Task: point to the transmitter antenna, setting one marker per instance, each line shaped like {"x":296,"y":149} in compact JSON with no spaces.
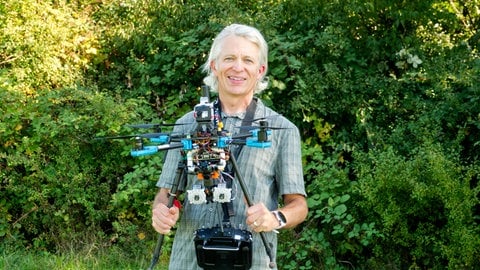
{"x":205,"y":98}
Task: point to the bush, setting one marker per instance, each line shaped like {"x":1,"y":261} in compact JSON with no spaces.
{"x":425,"y":207}
{"x":54,"y":170}
{"x":335,"y":235}
{"x":385,"y":95}
{"x":44,"y":45}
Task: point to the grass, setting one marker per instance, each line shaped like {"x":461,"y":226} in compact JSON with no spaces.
{"x":91,"y":259}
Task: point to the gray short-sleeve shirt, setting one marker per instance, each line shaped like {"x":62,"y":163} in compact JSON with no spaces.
{"x":268,"y":173}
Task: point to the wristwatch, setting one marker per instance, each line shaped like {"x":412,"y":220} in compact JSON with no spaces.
{"x":282,"y":221}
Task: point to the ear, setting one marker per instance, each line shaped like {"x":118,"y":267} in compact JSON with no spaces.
{"x":213,"y":67}
{"x":261,"y":71}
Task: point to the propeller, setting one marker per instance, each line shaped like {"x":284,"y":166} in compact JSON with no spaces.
{"x":155,"y":125}
{"x":264,"y":118}
{"x":248,"y":128}
{"x":145,"y":135}
{"x":263,"y":125}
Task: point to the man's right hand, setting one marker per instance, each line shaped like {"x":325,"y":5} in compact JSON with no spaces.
{"x":164,"y":218}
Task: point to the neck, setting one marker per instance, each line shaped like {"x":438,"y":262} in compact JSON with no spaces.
{"x":235,"y":105}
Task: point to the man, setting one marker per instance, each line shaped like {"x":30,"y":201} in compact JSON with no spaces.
{"x":236,"y":69}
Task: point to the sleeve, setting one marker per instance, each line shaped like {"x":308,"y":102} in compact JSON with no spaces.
{"x":169,"y":169}
{"x":289,"y":169}
{"x":173,"y":157}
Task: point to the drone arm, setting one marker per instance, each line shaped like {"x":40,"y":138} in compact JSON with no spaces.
{"x":150,"y":150}
{"x":268,"y":246}
{"x":169,"y":146}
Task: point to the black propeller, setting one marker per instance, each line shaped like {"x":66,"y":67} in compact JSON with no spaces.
{"x":145,"y":135}
{"x":264,"y":118}
{"x":262,"y":125}
{"x":155,"y":125}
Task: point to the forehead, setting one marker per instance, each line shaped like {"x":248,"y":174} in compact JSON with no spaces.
{"x":238,"y":45}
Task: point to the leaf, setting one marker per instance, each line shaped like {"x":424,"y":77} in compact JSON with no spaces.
{"x":340,"y":209}
{"x":331,"y":202}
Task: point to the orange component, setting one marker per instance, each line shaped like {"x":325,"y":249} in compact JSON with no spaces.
{"x":215,"y":174}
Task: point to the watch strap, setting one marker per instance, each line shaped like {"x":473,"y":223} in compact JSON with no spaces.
{"x":282,"y":221}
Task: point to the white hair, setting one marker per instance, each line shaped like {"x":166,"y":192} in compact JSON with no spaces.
{"x":240,"y":30}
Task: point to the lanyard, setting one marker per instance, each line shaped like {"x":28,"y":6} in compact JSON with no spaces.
{"x":228,"y":210}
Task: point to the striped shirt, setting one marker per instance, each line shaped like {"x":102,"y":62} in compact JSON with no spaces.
{"x":268,"y":173}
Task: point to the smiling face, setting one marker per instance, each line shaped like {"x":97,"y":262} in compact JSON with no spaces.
{"x":237,"y":67}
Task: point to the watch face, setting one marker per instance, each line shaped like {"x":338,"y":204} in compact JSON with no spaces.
{"x":282,"y":217}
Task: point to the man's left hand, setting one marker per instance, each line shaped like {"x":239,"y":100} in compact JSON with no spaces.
{"x":260,"y":219}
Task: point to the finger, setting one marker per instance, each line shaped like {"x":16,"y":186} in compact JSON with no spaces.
{"x":161,"y":227}
{"x":257,"y":225}
{"x":250,"y":220}
{"x":162,"y":220}
{"x":162,"y":224}
{"x":253,"y":214}
{"x":175,"y":212}
{"x":163,"y":210}
{"x":254,"y":209}
{"x":258,"y":228}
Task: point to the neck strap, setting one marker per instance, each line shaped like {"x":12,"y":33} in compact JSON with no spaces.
{"x":227,"y":207}
{"x":247,"y":120}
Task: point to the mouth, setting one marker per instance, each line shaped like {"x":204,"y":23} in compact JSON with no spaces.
{"x":234,"y":78}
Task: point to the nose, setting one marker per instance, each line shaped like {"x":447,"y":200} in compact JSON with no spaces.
{"x":237,"y":65}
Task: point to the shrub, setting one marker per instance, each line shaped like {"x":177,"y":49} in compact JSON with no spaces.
{"x":58,"y":179}
{"x":44,"y":45}
{"x":335,"y":235}
{"x":424,"y":206}
{"x":385,"y":95}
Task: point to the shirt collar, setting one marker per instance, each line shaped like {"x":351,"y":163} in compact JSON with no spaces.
{"x":239,"y":115}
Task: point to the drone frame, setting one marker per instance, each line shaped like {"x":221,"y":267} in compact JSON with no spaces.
{"x":257,"y":137}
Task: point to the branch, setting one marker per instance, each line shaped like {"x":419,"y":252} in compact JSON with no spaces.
{"x":35,"y":208}
{"x":8,"y":59}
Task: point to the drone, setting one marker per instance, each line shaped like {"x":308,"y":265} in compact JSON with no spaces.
{"x":205,"y":151}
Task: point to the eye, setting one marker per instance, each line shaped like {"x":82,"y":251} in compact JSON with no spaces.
{"x":249,"y":60}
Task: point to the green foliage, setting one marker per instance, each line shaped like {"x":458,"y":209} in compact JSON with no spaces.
{"x":385,"y":94}
{"x":53,"y":168}
{"x":335,"y":235}
{"x":131,"y":206}
{"x":90,"y":256}
{"x":424,"y":205}
{"x":159,"y":49}
{"x":44,"y":45}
